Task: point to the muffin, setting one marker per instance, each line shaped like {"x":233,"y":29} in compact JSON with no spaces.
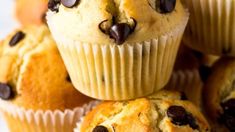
{"x":114,"y":52}
{"x":31,"y":11}
{"x":35,"y":88}
{"x":150,"y":114}
{"x":219,"y":96}
{"x":211,"y":27}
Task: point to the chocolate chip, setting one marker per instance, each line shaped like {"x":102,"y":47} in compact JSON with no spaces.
{"x":228,"y":121}
{"x":6,"y":92}
{"x":204,"y":72}
{"x":53,"y":5}
{"x":167,"y":6}
{"x":100,"y":129}
{"x":183,"y":96}
{"x":69,"y":3}
{"x":178,"y":115}
{"x":101,"y":27}
{"x":192,"y":121}
{"x":229,"y":107}
{"x":16,"y":38}
{"x":120,"y":32}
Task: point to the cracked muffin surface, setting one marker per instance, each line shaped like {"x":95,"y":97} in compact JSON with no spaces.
{"x":81,"y":21}
{"x":33,"y":75}
{"x":163,"y":111}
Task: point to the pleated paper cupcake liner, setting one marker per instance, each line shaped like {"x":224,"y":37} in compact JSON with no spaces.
{"x":211,"y":27}
{"x":22,"y":120}
{"x":188,"y":82}
{"x":120,"y":72}
{"x":78,"y":125}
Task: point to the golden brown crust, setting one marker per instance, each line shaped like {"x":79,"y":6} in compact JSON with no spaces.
{"x":109,"y":109}
{"x":31,"y":11}
{"x":85,"y":17}
{"x":37,"y":73}
{"x":141,"y":115}
{"x":219,"y":88}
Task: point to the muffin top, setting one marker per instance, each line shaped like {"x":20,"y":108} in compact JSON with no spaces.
{"x":164,"y":111}
{"x":115,"y":21}
{"x":31,"y":11}
{"x":219,"y":94}
{"x":33,"y":75}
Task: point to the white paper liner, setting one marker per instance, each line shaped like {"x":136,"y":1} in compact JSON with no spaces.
{"x":189,"y":82}
{"x":120,"y":72}
{"x":20,"y":119}
{"x":211,"y":27}
{"x":78,"y":125}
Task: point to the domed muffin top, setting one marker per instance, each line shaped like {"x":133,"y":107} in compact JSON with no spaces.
{"x":33,"y":75}
{"x":114,"y":21}
{"x":164,"y":111}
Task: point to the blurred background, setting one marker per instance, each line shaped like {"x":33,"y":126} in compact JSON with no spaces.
{"x":7,"y":20}
{"x":7,"y":24}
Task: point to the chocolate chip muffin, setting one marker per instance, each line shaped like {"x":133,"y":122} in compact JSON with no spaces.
{"x":112,"y":50}
{"x":31,"y":11}
{"x":211,"y":27}
{"x":150,"y":114}
{"x":34,"y":84}
{"x":219,"y":95}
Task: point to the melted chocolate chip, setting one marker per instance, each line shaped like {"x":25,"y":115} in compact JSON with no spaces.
{"x":229,"y":107}
{"x":204,"y":72}
{"x":69,"y":3}
{"x":6,"y":92}
{"x":183,"y":96}
{"x":53,"y":5}
{"x":101,"y":28}
{"x":16,"y":38}
{"x":100,"y":129}
{"x":228,"y":121}
{"x":180,"y":117}
{"x":120,"y":32}
{"x":192,"y":121}
{"x":167,"y":6}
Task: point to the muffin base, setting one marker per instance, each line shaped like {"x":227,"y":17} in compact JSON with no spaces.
{"x":22,"y":120}
{"x":211,"y":27}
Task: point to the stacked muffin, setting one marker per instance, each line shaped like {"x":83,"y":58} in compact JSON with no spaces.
{"x":124,"y":52}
